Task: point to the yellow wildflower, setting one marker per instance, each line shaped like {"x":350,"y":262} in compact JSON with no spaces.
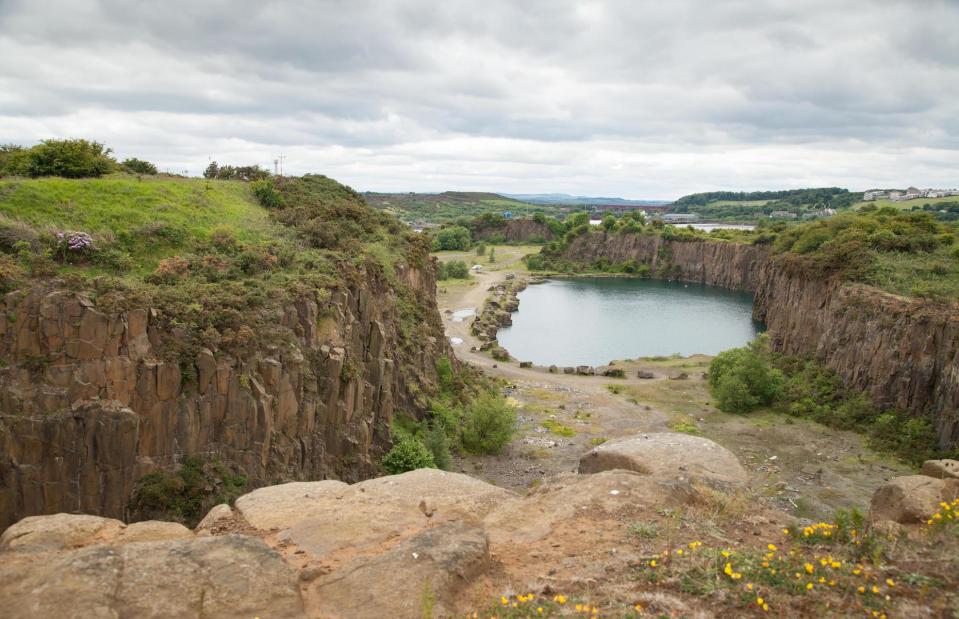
{"x":771,"y":547}
{"x":890,"y":582}
{"x":809,"y":586}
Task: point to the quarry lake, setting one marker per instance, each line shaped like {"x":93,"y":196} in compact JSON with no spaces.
{"x":591,"y":321}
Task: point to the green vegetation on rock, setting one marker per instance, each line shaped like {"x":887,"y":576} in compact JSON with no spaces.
{"x":752,"y":377}
{"x":187,"y":494}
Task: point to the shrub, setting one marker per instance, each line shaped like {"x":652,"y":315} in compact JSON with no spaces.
{"x":488,"y":426}
{"x":743,"y":379}
{"x":408,"y":454}
{"x":453,"y":238}
{"x":266,"y":194}
{"x":438,"y":442}
{"x":457,"y":269}
{"x":138,"y":166}
{"x":481,"y":250}
{"x":74,"y":246}
{"x":187,"y":494}
{"x":13,"y":232}
{"x":67,"y":158}
{"x":10,"y":274}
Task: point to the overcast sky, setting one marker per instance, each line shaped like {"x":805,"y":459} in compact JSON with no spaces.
{"x":641,"y":99}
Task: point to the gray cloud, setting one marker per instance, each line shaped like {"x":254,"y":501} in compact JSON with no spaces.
{"x":640,"y":98}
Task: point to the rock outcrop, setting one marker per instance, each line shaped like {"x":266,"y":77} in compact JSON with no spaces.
{"x":902,"y":352}
{"x":911,"y":498}
{"x":513,"y":231}
{"x":668,"y":455}
{"x":728,"y":265}
{"x":225,"y":576}
{"x":91,"y":400}
{"x":424,"y":543}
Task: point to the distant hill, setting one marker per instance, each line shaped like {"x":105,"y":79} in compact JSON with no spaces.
{"x":563,"y":198}
{"x":750,"y":205}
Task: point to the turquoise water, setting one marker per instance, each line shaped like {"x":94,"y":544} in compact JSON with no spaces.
{"x":592,"y":321}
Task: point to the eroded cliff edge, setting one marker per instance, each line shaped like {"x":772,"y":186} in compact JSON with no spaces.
{"x":903,"y":352}
{"x":90,"y":400}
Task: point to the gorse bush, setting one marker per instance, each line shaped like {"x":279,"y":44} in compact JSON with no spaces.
{"x":265,"y":193}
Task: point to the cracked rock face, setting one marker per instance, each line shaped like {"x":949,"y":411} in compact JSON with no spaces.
{"x":89,"y":404}
{"x":227,"y":576}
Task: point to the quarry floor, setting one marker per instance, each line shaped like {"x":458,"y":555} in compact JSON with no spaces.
{"x":798,"y":466}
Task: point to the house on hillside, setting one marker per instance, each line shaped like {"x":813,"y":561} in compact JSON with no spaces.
{"x":873,"y":195}
{"x":782,"y":215}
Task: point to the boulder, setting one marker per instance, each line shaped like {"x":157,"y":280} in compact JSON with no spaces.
{"x":439,"y":562}
{"x":645,"y":374}
{"x":499,"y":353}
{"x":284,"y":505}
{"x":226,"y":576}
{"x":153,"y":531}
{"x":214,"y":519}
{"x":569,"y":370}
{"x":311,"y":514}
{"x":525,"y":364}
{"x":553,"y":369}
{"x":680,"y":376}
{"x":59,"y":531}
{"x":911,"y":498}
{"x":585,"y":370}
{"x":941,"y":469}
{"x":668,"y":455}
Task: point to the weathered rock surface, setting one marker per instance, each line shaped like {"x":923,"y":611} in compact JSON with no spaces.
{"x":66,"y":531}
{"x":911,"y":498}
{"x":226,"y":576}
{"x":88,"y":404}
{"x":668,"y":455}
{"x":59,"y":531}
{"x":941,"y":469}
{"x":526,"y":519}
{"x":325,"y":517}
{"x":214,"y":519}
{"x":440,"y":561}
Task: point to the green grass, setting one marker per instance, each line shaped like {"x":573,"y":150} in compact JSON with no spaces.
{"x":118,"y":205}
{"x":907,"y":204}
{"x":932,"y":275}
{"x":558,"y":428}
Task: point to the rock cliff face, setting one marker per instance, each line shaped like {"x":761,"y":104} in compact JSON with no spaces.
{"x":89,"y":402}
{"x":903,"y":353}
{"x":514,"y":231}
{"x":728,"y":265}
